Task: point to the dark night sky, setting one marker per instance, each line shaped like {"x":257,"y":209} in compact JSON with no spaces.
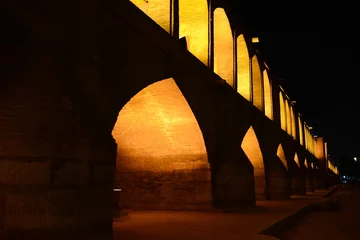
{"x":312,"y":47}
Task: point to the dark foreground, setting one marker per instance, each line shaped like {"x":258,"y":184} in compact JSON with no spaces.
{"x":343,"y":223}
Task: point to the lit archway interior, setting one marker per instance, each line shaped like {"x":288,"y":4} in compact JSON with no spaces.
{"x":267,"y":95}
{"x":193,"y":25}
{"x":161,"y":159}
{"x":157,"y":10}
{"x":288,"y":117}
{"x":280,"y":153}
{"x":223,"y":47}
{"x":301,"y":132}
{"x":293,"y":122}
{"x":243,"y":68}
{"x":296,"y":159}
{"x":282,"y":112}
{"x":306,"y":163}
{"x":257,"y":84}
{"x":251,"y":147}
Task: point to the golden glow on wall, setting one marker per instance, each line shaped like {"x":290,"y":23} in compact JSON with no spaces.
{"x":312,"y":165}
{"x":301,"y":134}
{"x":250,"y":146}
{"x":193,"y":25}
{"x":333,"y":168}
{"x":223,"y":47}
{"x":282,"y":112}
{"x":296,"y":159}
{"x":306,"y":163}
{"x":293,"y":122}
{"x":157,"y":10}
{"x":280,"y":153}
{"x":326,"y":150}
{"x":257,"y":84}
{"x":157,"y":131}
{"x":268,"y":96}
{"x":243,"y":68}
{"x":288,"y":117}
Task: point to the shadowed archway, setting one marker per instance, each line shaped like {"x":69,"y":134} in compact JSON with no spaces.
{"x":297,"y":177}
{"x":309,"y":178}
{"x":162,"y":161}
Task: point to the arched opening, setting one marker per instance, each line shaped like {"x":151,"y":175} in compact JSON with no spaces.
{"x":288,"y":117}
{"x":243,"y":68}
{"x":297,"y":178}
{"x":293,"y":122}
{"x":250,"y":145}
{"x":268,"y":95}
{"x":223,"y":47}
{"x":161,"y":157}
{"x":309,"y":182}
{"x":257,"y":84}
{"x":282,"y":112}
{"x":157,"y":10}
{"x":278,"y":181}
{"x":301,"y":132}
{"x":194,"y":26}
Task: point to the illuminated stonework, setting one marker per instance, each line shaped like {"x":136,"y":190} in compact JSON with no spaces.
{"x":268,"y":95}
{"x":280,"y":153}
{"x":306,"y":163}
{"x":293,"y":122}
{"x":282,"y":112}
{"x":250,"y":146}
{"x":288,"y":117}
{"x":296,"y":159}
{"x":223,"y":47}
{"x":257,"y":86}
{"x":301,"y":131}
{"x":243,"y":68}
{"x":193,"y":25}
{"x":160,"y":150}
{"x":157,"y":10}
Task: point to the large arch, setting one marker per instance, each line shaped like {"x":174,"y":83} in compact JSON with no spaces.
{"x":243,"y":68}
{"x":250,"y":145}
{"x":161,"y":159}
{"x":309,"y":178}
{"x":257,"y":86}
{"x":157,"y":10}
{"x":223,"y":47}
{"x":297,"y":178}
{"x":194,"y":26}
{"x":281,"y":155}
{"x":282,"y":112}
{"x":268,"y":101}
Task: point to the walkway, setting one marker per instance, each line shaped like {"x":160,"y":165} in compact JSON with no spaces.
{"x":166,"y":225}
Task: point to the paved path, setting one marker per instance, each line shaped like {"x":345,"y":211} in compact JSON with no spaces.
{"x":166,"y":225}
{"x":343,"y":224}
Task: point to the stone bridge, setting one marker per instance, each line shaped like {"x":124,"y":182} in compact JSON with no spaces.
{"x":167,"y":103}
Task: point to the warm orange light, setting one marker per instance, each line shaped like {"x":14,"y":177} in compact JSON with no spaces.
{"x":293,"y":122}
{"x":157,"y":10}
{"x":288,"y":117}
{"x":251,"y":147}
{"x":159,"y":140}
{"x":282,"y":112}
{"x":280,"y":153}
{"x":296,"y":159}
{"x":257,"y":84}
{"x":243,"y":68}
{"x":268,"y":96}
{"x":301,"y":133}
{"x":223,"y":47}
{"x":193,"y":25}
{"x":306,"y":163}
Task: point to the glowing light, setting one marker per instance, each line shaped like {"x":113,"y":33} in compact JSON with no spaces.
{"x":296,"y":159}
{"x":257,"y":85}
{"x":301,"y":131}
{"x":243,"y":68}
{"x":280,"y":153}
{"x":355,"y":159}
{"x":282,"y":112}
{"x":268,"y":96}
{"x":255,"y":40}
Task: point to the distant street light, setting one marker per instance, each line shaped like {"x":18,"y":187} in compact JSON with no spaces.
{"x":355,"y":159}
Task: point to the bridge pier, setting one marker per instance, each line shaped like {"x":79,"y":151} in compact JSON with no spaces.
{"x":56,"y":169}
{"x":298,"y":185}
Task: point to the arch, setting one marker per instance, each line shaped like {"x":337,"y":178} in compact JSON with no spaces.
{"x":223,"y":47}
{"x":243,"y":68}
{"x":194,"y":26}
{"x":282,"y":112}
{"x":257,"y":85}
{"x":268,"y":102}
{"x":306,"y":163}
{"x":293,"y":122}
{"x":250,"y":145}
{"x":280,"y":153}
{"x":160,"y":150}
{"x":157,"y":10}
{"x":288,"y":117}
{"x":296,"y":159}
{"x":301,"y":132}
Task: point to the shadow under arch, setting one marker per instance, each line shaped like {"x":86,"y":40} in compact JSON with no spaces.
{"x":162,"y":161}
{"x":297,"y":178}
{"x":309,"y":178}
{"x":250,"y":145}
{"x":194,"y":26}
{"x":278,"y":176}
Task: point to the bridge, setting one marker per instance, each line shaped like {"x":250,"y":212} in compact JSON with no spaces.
{"x":166,"y":104}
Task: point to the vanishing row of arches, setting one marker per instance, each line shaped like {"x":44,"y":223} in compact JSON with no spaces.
{"x":162,"y":160}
